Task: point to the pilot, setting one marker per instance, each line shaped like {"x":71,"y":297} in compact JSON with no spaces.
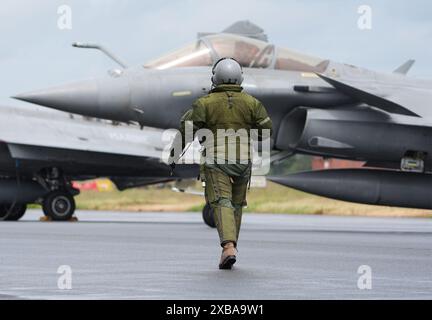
{"x":226,"y":174}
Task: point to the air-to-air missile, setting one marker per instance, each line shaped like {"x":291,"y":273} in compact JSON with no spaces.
{"x":318,"y":106}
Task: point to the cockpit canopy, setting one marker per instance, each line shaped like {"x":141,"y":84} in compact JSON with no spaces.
{"x":250,"y":53}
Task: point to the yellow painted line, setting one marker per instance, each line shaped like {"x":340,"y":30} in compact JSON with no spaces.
{"x":309,"y":75}
{"x":181,"y":93}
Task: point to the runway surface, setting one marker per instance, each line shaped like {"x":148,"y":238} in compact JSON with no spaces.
{"x":175,"y":256}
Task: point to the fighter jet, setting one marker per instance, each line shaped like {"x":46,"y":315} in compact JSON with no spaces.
{"x":318,"y":107}
{"x":43,"y":151}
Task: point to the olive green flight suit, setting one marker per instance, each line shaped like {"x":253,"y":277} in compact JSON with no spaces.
{"x":226,"y":177}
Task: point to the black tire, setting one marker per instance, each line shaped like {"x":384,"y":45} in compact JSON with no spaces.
{"x":4,"y":210}
{"x":18,"y":212}
{"x":208,"y":216}
{"x":12,"y":214}
{"x":59,"y":206}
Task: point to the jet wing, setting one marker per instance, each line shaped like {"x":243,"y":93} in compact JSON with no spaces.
{"x":85,"y":148}
{"x":384,"y":103}
{"x":61,"y":131}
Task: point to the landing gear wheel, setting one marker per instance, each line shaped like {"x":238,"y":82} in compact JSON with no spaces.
{"x":8,"y":213}
{"x":59,"y":206}
{"x":208,"y":216}
{"x":18,"y":212}
{"x":4,"y":210}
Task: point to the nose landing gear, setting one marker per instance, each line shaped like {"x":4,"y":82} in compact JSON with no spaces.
{"x":59,"y":205}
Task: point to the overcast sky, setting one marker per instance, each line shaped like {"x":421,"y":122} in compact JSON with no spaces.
{"x":35,"y":53}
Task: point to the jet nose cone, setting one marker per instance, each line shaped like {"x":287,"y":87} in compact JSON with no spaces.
{"x":77,"y":97}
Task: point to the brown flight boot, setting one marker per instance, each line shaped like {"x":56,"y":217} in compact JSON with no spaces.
{"x":228,"y":257}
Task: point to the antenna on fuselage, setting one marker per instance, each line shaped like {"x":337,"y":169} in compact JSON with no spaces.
{"x":100,"y":48}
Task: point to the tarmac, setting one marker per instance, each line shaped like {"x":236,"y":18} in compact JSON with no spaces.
{"x":112,"y":255}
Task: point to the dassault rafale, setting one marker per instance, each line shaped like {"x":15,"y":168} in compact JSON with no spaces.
{"x":318,"y":107}
{"x":43,"y":151}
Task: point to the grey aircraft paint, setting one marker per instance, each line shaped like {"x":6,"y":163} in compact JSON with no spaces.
{"x":35,"y":141}
{"x":318,"y":106}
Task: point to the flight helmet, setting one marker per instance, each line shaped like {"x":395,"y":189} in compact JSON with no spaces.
{"x":227,"y":71}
